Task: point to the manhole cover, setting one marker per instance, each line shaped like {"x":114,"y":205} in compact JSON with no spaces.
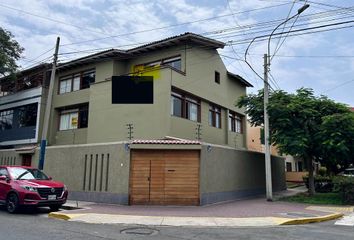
{"x":298,"y":214}
{"x":140,"y":231}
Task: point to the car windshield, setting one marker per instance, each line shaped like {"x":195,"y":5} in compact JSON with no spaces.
{"x":27,"y":174}
{"x":349,"y":172}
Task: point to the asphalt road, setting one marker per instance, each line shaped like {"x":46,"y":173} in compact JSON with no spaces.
{"x":34,"y":225}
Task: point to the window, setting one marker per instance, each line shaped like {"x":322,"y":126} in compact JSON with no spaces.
{"x":174,"y":62}
{"x":6,"y":119}
{"x":235,"y":122}
{"x":288,"y":167}
{"x":76,"y":81}
{"x":215,"y":116}
{"x":299,"y":167}
{"x":27,"y":115}
{"x":65,"y":86}
{"x":217,"y":77}
{"x":185,"y":106}
{"x":74,"y":118}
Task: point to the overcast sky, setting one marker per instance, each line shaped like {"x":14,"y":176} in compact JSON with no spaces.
{"x":323,"y":61}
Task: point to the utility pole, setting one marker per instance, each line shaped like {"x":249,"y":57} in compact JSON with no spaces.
{"x":268,"y":165}
{"x":48,"y":108}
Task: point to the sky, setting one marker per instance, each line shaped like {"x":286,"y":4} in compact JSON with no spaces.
{"x":317,"y":53}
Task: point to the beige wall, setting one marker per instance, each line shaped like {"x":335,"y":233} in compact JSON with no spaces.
{"x":230,"y":174}
{"x":254,"y":140}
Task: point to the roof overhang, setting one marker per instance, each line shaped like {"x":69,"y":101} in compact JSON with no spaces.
{"x":97,"y":57}
{"x":178,"y":40}
{"x":239,"y":79}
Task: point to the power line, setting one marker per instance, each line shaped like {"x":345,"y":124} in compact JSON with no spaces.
{"x":177,"y":25}
{"x":338,"y":86}
{"x":51,"y":19}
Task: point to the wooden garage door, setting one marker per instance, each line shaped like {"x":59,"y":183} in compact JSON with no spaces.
{"x":164,"y":177}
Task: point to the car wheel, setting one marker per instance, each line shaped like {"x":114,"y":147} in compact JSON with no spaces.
{"x":55,"y":208}
{"x":12,"y":203}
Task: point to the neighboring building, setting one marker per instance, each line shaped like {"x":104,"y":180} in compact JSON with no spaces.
{"x":193,"y":95}
{"x":294,"y":166}
{"x":21,"y":104}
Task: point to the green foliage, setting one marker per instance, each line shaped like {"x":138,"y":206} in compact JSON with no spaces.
{"x":318,"y":198}
{"x":345,"y":187}
{"x":322,"y":171}
{"x":10,"y":51}
{"x":301,"y":124}
{"x":323,"y":184}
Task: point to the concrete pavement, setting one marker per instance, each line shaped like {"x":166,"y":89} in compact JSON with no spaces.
{"x":247,"y":212}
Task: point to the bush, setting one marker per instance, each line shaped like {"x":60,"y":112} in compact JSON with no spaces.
{"x":345,"y":187}
{"x":323,"y":184}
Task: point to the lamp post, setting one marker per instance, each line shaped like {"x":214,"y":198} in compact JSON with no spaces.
{"x":268,"y":170}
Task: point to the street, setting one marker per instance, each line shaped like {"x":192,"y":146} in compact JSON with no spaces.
{"x":34,"y":224}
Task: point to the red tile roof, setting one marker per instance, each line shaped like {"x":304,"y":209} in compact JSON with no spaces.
{"x":167,"y":142}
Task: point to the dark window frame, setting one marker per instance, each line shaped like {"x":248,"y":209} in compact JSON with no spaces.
{"x":214,"y":111}
{"x":233,"y":118}
{"x":185,"y":100}
{"x":81,"y":108}
{"x":72,"y":76}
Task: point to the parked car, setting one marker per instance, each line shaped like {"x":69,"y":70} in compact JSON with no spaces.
{"x":349,"y":172}
{"x":27,"y":186}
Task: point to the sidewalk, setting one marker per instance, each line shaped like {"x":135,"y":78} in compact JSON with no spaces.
{"x":249,"y":212}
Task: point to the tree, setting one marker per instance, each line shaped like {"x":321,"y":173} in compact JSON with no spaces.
{"x":10,"y":51}
{"x":301,"y":124}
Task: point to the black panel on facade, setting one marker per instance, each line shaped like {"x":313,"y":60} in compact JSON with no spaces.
{"x":132,"y":90}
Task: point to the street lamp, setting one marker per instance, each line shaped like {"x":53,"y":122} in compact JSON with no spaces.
{"x":268,"y":170}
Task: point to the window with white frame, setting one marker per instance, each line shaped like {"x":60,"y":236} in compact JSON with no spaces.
{"x":174,"y":62}
{"x":235,"y":122}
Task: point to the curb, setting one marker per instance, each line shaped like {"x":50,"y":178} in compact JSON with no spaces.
{"x":63,"y":216}
{"x":312,"y":219}
{"x":230,"y":222}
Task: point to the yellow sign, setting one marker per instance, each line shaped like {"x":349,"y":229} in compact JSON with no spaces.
{"x":74,"y":121}
{"x":145,"y":70}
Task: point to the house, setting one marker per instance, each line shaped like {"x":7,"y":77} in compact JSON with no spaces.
{"x":156,"y":124}
{"x":21,"y":104}
{"x":194,"y":95}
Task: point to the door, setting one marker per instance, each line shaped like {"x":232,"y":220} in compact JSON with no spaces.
{"x":164,"y":177}
{"x":26,"y":160}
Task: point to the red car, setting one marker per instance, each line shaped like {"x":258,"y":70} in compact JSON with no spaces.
{"x":27,"y":186}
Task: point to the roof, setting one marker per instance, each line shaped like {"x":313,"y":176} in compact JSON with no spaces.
{"x":107,"y":54}
{"x":167,"y":142}
{"x":156,"y":45}
{"x":177,"y":40}
{"x":239,"y":78}
{"x":40,"y":67}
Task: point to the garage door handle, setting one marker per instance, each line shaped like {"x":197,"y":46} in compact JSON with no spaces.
{"x":171,"y":170}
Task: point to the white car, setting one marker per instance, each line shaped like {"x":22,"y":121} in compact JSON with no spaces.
{"x":349,"y":172}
